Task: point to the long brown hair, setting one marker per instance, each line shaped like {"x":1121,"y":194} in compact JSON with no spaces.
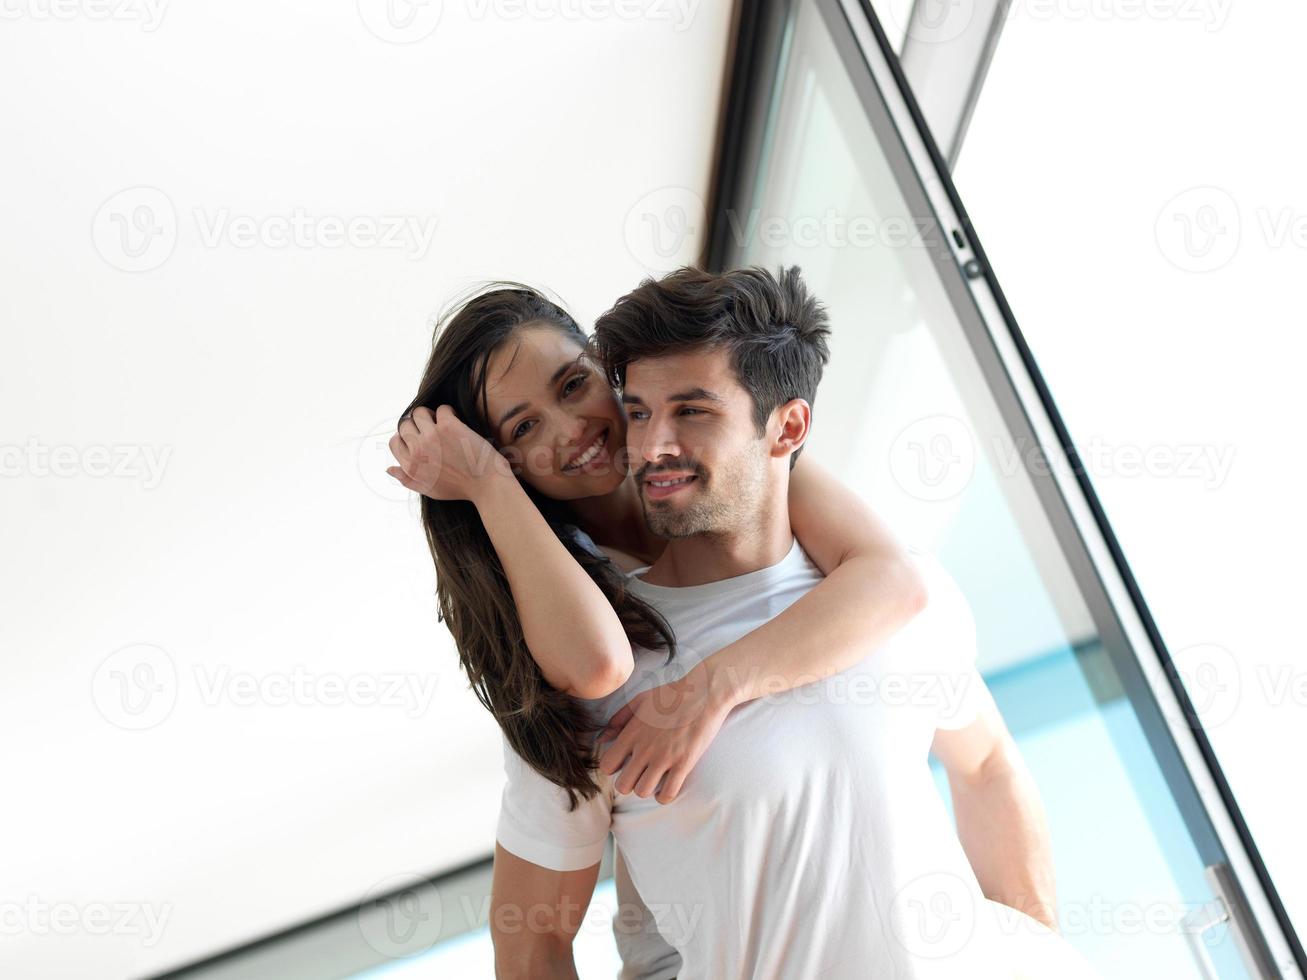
{"x":547,"y":728}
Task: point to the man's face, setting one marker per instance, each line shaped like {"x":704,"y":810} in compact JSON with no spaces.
{"x":699,"y":463}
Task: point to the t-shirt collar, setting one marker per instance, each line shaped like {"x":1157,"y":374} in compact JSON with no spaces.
{"x":748,"y":582}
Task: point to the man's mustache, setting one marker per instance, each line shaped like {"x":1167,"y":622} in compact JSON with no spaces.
{"x":648,"y":472}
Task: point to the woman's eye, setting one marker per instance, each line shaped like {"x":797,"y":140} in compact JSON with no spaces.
{"x":521,"y":429}
{"x":690,"y":411}
{"x":574,"y":384}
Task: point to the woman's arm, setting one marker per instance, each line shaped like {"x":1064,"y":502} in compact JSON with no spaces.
{"x":569,"y":625}
{"x":871,"y":590}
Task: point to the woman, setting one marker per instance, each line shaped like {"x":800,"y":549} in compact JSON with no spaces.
{"x":517,"y":443}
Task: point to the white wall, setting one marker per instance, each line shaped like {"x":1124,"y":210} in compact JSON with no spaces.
{"x":1103,"y":132}
{"x":164,"y":596}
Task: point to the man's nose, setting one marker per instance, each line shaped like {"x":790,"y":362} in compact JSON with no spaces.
{"x":659,"y":440}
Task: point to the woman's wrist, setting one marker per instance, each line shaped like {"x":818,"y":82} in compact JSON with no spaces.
{"x":727,"y":685}
{"x":494,"y":489}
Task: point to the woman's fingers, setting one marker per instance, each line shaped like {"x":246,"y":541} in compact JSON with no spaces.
{"x":423,"y":419}
{"x":615,"y":755}
{"x":403,"y":478}
{"x":397,"y":448}
{"x":672,"y":783}
{"x":630,"y":776}
{"x":618,"y":721}
{"x":646,"y":777}
{"x":413,"y":426}
{"x":408,"y":433}
{"x":648,"y":783}
{"x":616,"y":726}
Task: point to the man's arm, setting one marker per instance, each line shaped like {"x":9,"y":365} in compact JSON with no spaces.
{"x":535,"y":914}
{"x":1000,"y":818}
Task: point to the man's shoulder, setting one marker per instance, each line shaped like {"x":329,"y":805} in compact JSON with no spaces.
{"x":944,"y":597}
{"x":947,"y":624}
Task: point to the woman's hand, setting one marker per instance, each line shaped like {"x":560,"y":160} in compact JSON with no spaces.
{"x":660,"y":734}
{"x":569,"y":626}
{"x":441,"y":458}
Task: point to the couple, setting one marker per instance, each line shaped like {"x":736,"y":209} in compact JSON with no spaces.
{"x":714,"y":652}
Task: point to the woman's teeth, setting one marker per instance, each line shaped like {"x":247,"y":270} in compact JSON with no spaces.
{"x":590,"y":453}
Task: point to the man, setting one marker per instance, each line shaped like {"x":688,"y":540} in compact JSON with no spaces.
{"x":810,"y":840}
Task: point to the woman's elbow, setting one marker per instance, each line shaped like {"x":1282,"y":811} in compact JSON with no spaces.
{"x":607,"y":671}
{"x":916,"y":596}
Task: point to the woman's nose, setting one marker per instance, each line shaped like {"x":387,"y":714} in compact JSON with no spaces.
{"x":573,"y":428}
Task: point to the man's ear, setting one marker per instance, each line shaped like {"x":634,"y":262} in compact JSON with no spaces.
{"x":790,"y":426}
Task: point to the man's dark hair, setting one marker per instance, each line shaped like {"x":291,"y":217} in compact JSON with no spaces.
{"x":774,"y":329}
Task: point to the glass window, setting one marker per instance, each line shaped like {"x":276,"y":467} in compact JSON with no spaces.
{"x":917,"y":413}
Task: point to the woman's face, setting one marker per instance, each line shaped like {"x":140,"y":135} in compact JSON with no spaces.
{"x":552,"y":413}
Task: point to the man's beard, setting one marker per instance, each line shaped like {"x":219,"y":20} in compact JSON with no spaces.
{"x":714,"y":510}
{"x":707,"y":513}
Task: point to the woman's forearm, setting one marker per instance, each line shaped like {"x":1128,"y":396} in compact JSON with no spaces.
{"x":872,"y":589}
{"x":569,"y":625}
{"x":859,"y":605}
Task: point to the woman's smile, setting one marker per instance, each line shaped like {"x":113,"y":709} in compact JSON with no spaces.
{"x":594,"y":456}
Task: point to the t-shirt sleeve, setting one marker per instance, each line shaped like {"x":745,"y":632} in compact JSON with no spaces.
{"x":960,"y":690}
{"x":536,"y":825}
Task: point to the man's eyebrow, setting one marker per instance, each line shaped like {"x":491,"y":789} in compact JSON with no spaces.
{"x":697,"y":395}
{"x":553,"y":380}
{"x":693,"y":395}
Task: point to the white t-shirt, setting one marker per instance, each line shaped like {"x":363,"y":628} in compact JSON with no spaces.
{"x":810,"y":840}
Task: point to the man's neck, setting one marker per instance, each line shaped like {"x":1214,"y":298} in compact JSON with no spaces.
{"x":616,"y":519}
{"x":711,"y":557}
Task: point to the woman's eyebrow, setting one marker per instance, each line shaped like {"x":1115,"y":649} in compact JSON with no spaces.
{"x":553,"y":380}
{"x":563,"y":369}
{"x":509,"y":414}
